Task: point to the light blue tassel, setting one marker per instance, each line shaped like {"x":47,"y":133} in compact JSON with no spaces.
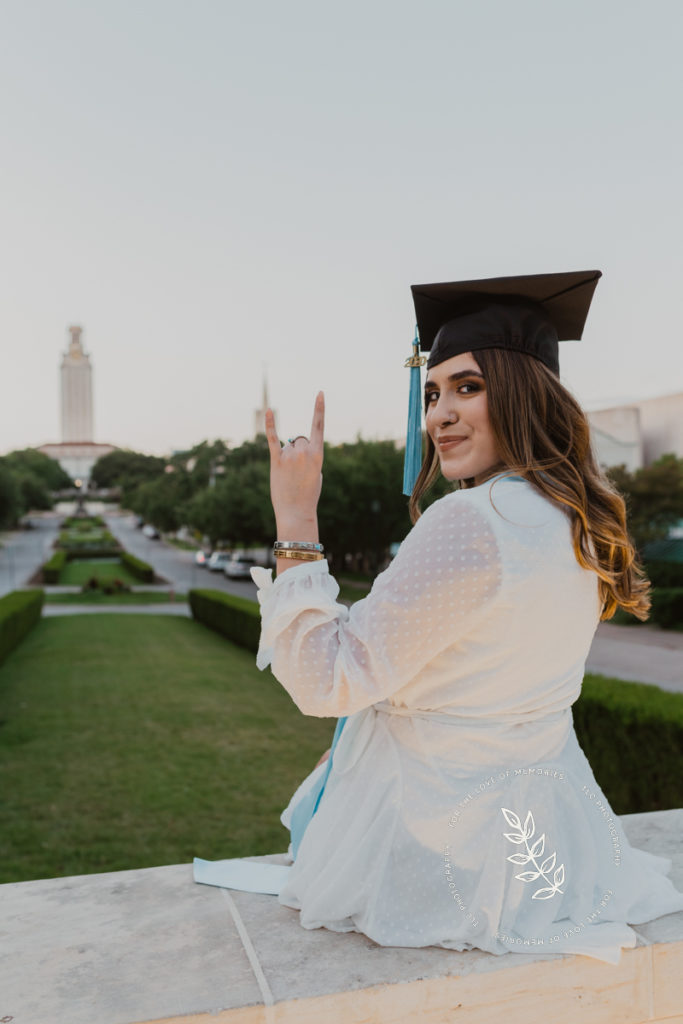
{"x":306,"y":808}
{"x":413,"y":453}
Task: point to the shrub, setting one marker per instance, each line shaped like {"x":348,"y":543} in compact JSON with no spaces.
{"x":141,"y":570}
{"x":665,"y":574}
{"x":53,"y":567}
{"x":667,"y":607}
{"x":235,"y":617}
{"x":632,"y":735}
{"x":19,"y":612}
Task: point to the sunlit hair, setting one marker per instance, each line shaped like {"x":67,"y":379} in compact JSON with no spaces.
{"x":542,"y":434}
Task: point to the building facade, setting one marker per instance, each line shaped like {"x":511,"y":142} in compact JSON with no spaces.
{"x":639,"y":433}
{"x":76,"y":392}
{"x":77,"y":453}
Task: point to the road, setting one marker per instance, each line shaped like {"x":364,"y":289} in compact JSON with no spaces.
{"x":643,"y":654}
{"x":171,"y":563}
{"x":24,"y":551}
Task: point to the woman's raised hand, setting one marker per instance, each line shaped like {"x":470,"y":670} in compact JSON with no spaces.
{"x":296,"y":473}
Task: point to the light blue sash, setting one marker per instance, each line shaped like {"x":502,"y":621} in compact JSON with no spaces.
{"x":308,"y":805}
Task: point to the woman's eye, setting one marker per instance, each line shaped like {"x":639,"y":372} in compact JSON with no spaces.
{"x":469,"y":387}
{"x":429,"y":396}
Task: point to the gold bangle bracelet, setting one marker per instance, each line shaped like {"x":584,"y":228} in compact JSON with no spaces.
{"x":302,"y":556}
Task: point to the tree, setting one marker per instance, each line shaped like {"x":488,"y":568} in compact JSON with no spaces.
{"x":10,"y":506}
{"x":126,"y":469}
{"x":654,"y":498}
{"x":41,"y":467}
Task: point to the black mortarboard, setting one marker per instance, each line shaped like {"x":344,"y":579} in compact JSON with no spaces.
{"x":528,"y":314}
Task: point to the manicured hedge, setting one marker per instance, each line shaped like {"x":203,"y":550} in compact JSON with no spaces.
{"x":82,"y":522}
{"x":235,"y":617}
{"x":667,"y":607}
{"x":19,"y":612}
{"x":632,"y":735}
{"x":53,"y":567}
{"x":141,"y":570}
{"x":665,"y":574}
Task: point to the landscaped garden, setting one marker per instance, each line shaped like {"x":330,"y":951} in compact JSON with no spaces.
{"x":89,"y":556}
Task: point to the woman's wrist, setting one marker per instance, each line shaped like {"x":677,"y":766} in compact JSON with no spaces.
{"x":293,"y":527}
{"x":298,"y":528}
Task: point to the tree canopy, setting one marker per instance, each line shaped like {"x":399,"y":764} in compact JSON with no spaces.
{"x":224,"y":494}
{"x":654,"y":498}
{"x":27,"y":478}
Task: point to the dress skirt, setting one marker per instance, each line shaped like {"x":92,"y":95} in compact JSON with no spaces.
{"x":436,"y":830}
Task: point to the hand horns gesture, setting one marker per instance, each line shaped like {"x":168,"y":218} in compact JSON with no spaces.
{"x":296,"y":470}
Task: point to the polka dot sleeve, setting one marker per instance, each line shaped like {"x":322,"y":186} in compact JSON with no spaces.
{"x":334,"y":661}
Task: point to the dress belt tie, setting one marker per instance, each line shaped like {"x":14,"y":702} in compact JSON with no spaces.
{"x":472,"y":721}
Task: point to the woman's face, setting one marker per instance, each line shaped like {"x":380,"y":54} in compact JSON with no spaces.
{"x":457,"y":419}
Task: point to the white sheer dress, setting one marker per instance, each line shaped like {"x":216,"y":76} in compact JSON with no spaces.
{"x":460,"y":810}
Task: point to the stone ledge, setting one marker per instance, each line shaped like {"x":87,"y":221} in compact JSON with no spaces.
{"x":133,"y":947}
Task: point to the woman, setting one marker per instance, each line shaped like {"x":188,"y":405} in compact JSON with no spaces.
{"x":458,"y":809}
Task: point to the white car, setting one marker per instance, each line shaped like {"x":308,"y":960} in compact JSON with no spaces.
{"x":238,"y":567}
{"x":218,"y":561}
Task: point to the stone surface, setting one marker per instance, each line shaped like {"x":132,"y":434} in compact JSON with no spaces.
{"x":119,"y":947}
{"x":151,"y":945}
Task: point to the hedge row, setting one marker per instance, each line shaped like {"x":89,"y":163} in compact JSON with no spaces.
{"x":142,"y":571}
{"x":82,"y":522}
{"x":53,"y":567}
{"x":667,"y":607}
{"x":665,"y":574}
{"x":19,"y":612}
{"x":632,"y":735}
{"x":235,"y":617}
{"x":103,"y":538}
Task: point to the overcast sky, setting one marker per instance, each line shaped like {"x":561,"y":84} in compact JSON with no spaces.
{"x":211,"y":188}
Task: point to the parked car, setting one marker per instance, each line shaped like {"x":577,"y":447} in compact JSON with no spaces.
{"x":201,"y":558}
{"x":238,"y":567}
{"x":150,"y":531}
{"x":218,"y":561}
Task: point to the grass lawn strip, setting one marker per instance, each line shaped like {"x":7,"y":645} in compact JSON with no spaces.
{"x":76,"y":573}
{"x":133,"y":741}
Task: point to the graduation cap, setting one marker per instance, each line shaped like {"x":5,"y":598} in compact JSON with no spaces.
{"x":528,"y":314}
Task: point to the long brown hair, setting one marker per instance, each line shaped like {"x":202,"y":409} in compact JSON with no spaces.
{"x":542,"y":434}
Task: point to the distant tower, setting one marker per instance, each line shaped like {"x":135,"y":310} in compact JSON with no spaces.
{"x":260,"y":414}
{"x":76,"y":374}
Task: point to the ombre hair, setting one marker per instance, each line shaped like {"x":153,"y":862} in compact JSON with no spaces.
{"x":542,"y":435}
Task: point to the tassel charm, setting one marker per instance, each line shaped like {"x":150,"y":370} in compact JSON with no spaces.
{"x":413,"y":453}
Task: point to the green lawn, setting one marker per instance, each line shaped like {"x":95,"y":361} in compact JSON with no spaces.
{"x":126,"y":597}
{"x":76,"y":573}
{"x":130,"y":741}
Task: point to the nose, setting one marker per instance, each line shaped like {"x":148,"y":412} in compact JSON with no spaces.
{"x":445,"y":411}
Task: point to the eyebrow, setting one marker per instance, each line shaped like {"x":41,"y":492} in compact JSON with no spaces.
{"x":455,"y":376}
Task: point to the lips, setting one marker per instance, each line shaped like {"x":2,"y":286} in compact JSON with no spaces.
{"x":445,"y":443}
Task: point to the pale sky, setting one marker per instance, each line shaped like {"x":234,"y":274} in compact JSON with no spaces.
{"x":212,"y":187}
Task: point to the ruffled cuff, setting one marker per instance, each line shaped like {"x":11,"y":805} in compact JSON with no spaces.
{"x":302,"y":588}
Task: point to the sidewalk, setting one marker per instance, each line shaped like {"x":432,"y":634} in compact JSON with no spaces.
{"x":178,"y":608}
{"x":642,"y":654}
